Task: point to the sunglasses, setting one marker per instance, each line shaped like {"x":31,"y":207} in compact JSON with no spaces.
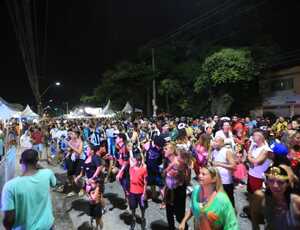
{"x":279,"y":182}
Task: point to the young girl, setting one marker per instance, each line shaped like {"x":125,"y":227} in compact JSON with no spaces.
{"x":200,"y":152}
{"x":178,"y":169}
{"x":95,"y":190}
{"x":177,"y":178}
{"x":240,"y":173}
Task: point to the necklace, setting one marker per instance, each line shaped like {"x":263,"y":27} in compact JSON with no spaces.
{"x":203,"y":203}
{"x":204,"y":200}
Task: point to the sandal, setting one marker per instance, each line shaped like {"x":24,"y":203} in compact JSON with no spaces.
{"x":162,"y":206}
{"x":70,"y":194}
{"x":244,"y":215}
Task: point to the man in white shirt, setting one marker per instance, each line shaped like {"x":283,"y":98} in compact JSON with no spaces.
{"x":226,"y":134}
{"x":223,"y":160}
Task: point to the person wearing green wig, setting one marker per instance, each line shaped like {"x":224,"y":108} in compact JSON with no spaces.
{"x":210,"y":205}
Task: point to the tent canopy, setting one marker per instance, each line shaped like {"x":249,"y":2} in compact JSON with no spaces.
{"x":127,"y":108}
{"x":28,"y":113}
{"x":6,"y":112}
{"x":107,"y":111}
{"x":13,"y":106}
{"x":93,"y":111}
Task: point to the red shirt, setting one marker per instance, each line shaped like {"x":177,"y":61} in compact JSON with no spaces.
{"x":138,"y":176}
{"x":37,"y":137}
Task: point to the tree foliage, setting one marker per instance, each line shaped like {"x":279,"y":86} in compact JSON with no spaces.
{"x":187,"y":82}
{"x":227,"y":66}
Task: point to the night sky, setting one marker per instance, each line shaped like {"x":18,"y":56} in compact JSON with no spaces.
{"x":84,"y":38}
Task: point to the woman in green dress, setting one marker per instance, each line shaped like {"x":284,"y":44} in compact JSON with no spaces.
{"x":210,"y":205}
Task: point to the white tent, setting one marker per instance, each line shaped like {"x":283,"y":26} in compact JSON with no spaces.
{"x":6,"y":112}
{"x":93,"y":111}
{"x":127,"y":108}
{"x":137,"y":110}
{"x":13,"y":106}
{"x":28,"y":113}
{"x":107,"y":111}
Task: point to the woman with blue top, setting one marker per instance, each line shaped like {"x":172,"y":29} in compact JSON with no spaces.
{"x":210,"y":205}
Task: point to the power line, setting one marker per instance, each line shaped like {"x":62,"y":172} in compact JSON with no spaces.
{"x":195,"y":21}
{"x":231,"y":17}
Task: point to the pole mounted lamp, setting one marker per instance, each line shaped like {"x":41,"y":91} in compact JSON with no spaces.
{"x":56,"y":84}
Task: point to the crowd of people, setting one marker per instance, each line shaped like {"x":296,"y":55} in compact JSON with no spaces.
{"x":173,"y":160}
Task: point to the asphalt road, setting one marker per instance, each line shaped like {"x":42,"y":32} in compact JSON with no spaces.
{"x":74,"y":210}
{"x":71,"y":213}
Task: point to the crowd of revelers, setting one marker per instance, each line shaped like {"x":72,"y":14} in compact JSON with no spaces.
{"x":200,"y":160}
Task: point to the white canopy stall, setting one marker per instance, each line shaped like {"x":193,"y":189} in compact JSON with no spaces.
{"x":29,"y":114}
{"x":7,"y":113}
{"x":127,"y":108}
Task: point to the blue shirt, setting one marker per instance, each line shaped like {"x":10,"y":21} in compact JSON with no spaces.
{"x":30,"y":197}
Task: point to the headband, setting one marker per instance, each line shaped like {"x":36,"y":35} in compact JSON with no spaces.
{"x":277,"y":172}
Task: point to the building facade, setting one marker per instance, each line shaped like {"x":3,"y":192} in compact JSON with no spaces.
{"x":280,"y":91}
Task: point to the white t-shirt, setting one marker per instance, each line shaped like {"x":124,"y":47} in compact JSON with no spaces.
{"x":228,"y":140}
{"x":25,"y":141}
{"x":60,"y":133}
{"x":259,"y":170}
{"x":53,"y":132}
{"x":221,"y":156}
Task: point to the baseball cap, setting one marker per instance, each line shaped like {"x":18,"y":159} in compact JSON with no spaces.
{"x":279,"y":149}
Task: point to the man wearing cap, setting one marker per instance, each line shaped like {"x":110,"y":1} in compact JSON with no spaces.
{"x":26,"y":200}
{"x":279,"y":154}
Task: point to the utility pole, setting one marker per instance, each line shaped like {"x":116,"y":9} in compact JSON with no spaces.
{"x":67,"y":104}
{"x":154,"y":85}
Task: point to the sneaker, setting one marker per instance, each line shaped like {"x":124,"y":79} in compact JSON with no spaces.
{"x":189,"y":190}
{"x":70,"y":194}
{"x":132,"y":226}
{"x":81,"y":193}
{"x":60,"y":188}
{"x":143,"y":224}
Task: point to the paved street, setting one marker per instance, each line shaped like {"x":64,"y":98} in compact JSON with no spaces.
{"x":71,"y":213}
{"x":74,"y":210}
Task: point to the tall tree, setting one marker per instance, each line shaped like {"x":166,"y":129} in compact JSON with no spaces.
{"x":222,"y":73}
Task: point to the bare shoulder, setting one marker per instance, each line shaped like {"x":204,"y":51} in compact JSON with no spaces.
{"x":259,"y":195}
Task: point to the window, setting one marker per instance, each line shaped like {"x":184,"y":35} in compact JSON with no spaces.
{"x":282,"y":84}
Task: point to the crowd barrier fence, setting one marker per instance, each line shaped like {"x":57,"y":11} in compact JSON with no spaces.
{"x":7,"y":167}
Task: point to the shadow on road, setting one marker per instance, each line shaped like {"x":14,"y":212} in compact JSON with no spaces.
{"x":159,"y":225}
{"x":85,"y":226}
{"x":80,"y":205}
{"x":116,"y":202}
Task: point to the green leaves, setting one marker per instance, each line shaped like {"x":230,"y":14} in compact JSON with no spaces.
{"x":169,"y":86}
{"x":226,"y":66}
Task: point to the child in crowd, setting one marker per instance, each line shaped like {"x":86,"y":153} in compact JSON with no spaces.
{"x":53,"y":150}
{"x":178,"y":168}
{"x":95,"y":190}
{"x":62,"y":149}
{"x":138,"y":187}
{"x":294,"y":156}
{"x":240,"y":173}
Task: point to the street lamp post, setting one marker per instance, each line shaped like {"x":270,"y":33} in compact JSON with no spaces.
{"x":40,"y":106}
{"x":46,"y":90}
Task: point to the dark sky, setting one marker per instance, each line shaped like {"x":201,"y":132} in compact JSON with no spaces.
{"x":86,"y":37}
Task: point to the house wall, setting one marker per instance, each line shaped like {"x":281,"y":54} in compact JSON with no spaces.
{"x":280,"y":92}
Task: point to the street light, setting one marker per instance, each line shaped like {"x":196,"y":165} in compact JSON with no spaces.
{"x":46,"y":90}
{"x":43,"y":93}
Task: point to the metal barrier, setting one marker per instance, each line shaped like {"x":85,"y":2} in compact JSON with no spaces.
{"x":7,"y":167}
